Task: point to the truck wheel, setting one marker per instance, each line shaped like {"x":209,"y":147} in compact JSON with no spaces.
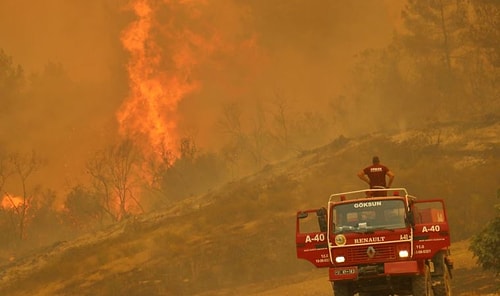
{"x":442,"y":285}
{"x":342,"y":289}
{"x":421,"y":285}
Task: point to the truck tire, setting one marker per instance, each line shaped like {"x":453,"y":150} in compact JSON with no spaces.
{"x":342,"y":289}
{"x":442,"y":283}
{"x":421,"y":285}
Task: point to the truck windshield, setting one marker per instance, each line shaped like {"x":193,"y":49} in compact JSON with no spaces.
{"x":368,"y":216}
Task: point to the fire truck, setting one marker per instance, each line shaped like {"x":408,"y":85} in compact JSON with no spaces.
{"x":378,"y":242}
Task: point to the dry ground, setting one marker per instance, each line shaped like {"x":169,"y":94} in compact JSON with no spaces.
{"x":468,"y":280}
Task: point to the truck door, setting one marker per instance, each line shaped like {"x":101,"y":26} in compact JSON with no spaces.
{"x":431,"y":231}
{"x":311,"y":237}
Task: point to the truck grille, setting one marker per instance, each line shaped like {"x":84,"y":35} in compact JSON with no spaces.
{"x":380,"y":252}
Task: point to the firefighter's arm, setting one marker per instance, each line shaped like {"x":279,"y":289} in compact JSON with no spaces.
{"x":391,"y":178}
{"x":363,"y":177}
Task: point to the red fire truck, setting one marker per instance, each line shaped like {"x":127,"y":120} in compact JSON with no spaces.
{"x":379,"y":242}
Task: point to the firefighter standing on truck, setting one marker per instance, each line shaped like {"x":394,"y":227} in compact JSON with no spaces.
{"x":375,"y":175}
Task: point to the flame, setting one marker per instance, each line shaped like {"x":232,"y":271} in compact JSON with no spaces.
{"x":168,"y":44}
{"x":11,"y":202}
{"x":157,"y":84}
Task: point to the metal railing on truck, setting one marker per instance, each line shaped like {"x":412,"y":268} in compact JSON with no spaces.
{"x":368,"y":193}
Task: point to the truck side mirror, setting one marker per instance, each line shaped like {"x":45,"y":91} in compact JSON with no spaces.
{"x":302,"y":215}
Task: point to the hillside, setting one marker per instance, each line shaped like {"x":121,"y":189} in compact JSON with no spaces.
{"x":240,"y":237}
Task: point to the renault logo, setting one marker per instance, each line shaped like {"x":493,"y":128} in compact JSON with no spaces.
{"x":370,"y":252}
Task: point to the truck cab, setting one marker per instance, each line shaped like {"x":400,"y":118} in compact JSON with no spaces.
{"x":378,"y":242}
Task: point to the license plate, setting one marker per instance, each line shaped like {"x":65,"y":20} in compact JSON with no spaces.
{"x":345,"y":271}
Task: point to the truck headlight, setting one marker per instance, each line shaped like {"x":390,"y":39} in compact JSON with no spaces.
{"x":340,"y":259}
{"x":403,"y":254}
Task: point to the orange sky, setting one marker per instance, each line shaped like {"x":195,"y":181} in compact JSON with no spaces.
{"x":238,"y":51}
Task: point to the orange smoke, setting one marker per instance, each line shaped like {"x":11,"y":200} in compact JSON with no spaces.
{"x":158,"y":80}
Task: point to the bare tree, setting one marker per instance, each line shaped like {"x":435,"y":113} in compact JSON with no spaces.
{"x":114,"y":174}
{"x":259,"y":138}
{"x":280,"y":116}
{"x":6,"y":170}
{"x":230,"y":125}
{"x":23,"y":166}
{"x":8,"y":223}
{"x":123,"y":159}
{"x":97,"y":169}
